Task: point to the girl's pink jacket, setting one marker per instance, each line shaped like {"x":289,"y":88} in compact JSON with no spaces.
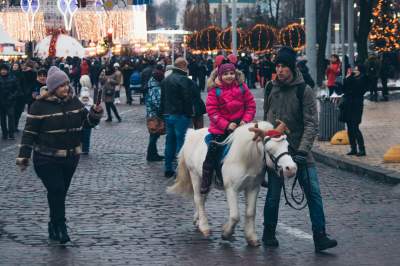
{"x":230,"y":105}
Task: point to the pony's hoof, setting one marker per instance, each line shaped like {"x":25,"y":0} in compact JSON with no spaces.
{"x":253,"y":243}
{"x":206,"y":233}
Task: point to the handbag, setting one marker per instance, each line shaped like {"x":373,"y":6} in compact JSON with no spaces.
{"x":156,"y":125}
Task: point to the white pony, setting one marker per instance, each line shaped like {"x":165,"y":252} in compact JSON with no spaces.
{"x":242,"y":170}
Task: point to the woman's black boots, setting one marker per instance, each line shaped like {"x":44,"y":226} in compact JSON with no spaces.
{"x":53,"y":232}
{"x":361,"y":151}
{"x":63,"y":233}
{"x":58,"y":232}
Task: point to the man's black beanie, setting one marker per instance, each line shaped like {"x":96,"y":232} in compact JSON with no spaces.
{"x":287,"y":56}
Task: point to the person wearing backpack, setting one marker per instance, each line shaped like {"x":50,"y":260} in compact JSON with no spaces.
{"x":135,"y":81}
{"x":290,"y":100}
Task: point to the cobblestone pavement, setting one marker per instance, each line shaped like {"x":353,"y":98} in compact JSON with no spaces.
{"x":381,"y":130}
{"x":119,"y":214}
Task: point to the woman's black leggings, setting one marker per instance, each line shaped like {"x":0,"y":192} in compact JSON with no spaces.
{"x":355,"y":135}
{"x":56,"y":175}
{"x":109,"y":107}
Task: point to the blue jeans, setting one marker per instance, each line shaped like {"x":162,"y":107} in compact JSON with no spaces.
{"x":312,"y":193}
{"x":176,"y":127}
{"x":86,"y":132}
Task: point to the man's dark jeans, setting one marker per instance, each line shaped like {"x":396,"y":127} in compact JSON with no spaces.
{"x":56,"y":175}
{"x":315,"y":206}
{"x":176,"y":127}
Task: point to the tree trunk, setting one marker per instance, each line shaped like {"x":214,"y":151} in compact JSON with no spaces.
{"x":364,"y":27}
{"x":323,"y":8}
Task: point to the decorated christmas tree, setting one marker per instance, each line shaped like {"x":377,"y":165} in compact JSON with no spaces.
{"x":385,"y":29}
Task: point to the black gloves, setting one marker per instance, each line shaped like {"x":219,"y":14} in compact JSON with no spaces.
{"x":300,"y":157}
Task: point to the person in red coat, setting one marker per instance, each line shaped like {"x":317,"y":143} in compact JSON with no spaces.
{"x":332,"y":72}
{"x":84,"y":68}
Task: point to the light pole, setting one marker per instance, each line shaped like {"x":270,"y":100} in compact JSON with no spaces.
{"x":234,"y":28}
{"x":350,"y":31}
{"x":337,"y":37}
{"x":343,"y":5}
{"x":328,"y":50}
{"x":311,"y":36}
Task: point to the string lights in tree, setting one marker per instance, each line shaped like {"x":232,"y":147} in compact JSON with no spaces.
{"x":293,"y":36}
{"x":385,"y":29}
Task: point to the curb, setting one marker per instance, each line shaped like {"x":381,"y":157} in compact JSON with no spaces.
{"x":374,"y":172}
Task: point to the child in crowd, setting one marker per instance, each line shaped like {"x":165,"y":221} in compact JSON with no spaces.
{"x":86,"y":132}
{"x":229,"y":104}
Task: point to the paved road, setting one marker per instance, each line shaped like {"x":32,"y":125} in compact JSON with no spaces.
{"x":119,"y":213}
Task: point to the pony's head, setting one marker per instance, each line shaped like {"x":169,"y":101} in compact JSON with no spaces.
{"x":276,"y":148}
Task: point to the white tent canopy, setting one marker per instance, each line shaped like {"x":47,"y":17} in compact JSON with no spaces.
{"x":65,"y":46}
{"x":5,"y":38}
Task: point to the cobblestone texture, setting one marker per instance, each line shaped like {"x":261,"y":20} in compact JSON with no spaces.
{"x":381,"y":130}
{"x":119,"y":214}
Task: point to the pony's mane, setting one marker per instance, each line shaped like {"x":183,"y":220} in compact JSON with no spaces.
{"x":242,"y":144}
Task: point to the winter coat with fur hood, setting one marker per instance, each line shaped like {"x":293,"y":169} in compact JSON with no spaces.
{"x":232,"y":104}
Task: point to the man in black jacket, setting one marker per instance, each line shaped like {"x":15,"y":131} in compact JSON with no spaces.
{"x":177,"y":106}
{"x":9,"y":88}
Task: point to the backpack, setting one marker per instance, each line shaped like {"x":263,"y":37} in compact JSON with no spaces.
{"x":218,"y":90}
{"x":135,"y":80}
{"x":299,"y":94}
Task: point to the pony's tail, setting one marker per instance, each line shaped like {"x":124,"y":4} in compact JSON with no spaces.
{"x":183,"y":182}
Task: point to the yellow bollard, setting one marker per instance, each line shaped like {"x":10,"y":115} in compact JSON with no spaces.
{"x":340,"y":138}
{"x":392,"y":155}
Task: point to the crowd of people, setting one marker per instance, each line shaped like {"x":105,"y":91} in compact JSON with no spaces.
{"x":62,"y":98}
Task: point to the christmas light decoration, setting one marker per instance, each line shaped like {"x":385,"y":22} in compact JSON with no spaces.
{"x":30,"y":8}
{"x":93,"y":27}
{"x":293,"y":36}
{"x":261,"y":38}
{"x":67,"y":9}
{"x":16,"y":24}
{"x":208,"y":38}
{"x":385,"y":29}
{"x":225,"y":39}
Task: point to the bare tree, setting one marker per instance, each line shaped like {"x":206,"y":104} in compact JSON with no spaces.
{"x":364,"y":27}
{"x":197,"y":15}
{"x":323,"y":8}
{"x":274,"y":10}
{"x":167,"y":12}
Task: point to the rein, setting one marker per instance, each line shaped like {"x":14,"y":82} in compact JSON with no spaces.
{"x":298,"y":204}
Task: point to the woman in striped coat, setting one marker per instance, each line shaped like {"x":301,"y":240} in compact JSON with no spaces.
{"x":53,"y":131}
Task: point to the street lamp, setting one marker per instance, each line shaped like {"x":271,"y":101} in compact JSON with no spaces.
{"x":337,"y":37}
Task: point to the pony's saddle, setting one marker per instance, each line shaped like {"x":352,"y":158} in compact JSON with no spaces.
{"x":218,"y":180}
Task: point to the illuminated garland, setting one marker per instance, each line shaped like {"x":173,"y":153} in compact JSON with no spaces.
{"x":225,"y":39}
{"x":385,"y":29}
{"x":52,"y":46}
{"x":208,"y":38}
{"x":293,"y":36}
{"x":261,"y":38}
